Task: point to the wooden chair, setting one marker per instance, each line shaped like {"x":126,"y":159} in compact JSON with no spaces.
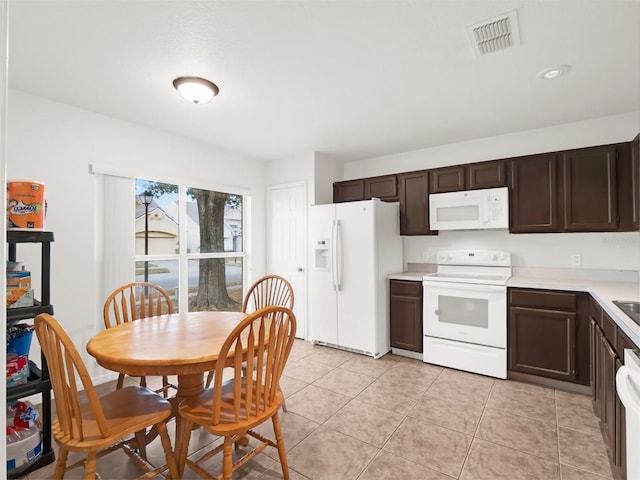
{"x":96,"y":425}
{"x":266,"y":291}
{"x":263,"y":340}
{"x":134,"y":301}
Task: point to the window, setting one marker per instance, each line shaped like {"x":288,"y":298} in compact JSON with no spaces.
{"x":190,"y":242}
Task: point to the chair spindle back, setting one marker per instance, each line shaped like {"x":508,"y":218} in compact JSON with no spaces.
{"x":136,"y":300}
{"x":266,"y":291}
{"x":66,"y":367}
{"x":262,"y":342}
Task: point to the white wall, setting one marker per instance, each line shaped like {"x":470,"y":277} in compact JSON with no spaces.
{"x":618,"y":251}
{"x":292,"y":170}
{"x":55,"y":143}
{"x":609,"y":251}
{"x":318,"y":170}
{"x":327,"y":171}
{"x":600,"y":131}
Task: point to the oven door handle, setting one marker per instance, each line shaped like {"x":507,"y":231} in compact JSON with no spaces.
{"x":626,"y":392}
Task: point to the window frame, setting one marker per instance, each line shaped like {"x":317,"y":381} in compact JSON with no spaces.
{"x":183,"y":257}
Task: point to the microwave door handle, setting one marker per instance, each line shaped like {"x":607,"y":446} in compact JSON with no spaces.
{"x":487,"y":209}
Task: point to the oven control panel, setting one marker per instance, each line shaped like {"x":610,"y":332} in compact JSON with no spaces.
{"x":494,"y":258}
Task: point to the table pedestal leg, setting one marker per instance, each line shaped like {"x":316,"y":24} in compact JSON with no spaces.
{"x":189,"y":387}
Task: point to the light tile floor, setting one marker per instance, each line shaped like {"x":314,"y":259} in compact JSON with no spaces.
{"x":355,"y":418}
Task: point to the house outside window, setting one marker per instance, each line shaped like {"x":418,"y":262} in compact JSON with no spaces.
{"x":194,"y":245}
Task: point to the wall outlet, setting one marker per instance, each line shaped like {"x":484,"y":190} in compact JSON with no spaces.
{"x":576,"y":260}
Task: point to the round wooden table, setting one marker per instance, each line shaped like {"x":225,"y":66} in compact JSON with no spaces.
{"x":182,"y":344}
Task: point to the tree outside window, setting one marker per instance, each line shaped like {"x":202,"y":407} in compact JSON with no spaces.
{"x":195,"y":243}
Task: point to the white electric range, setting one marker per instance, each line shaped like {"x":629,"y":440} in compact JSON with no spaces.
{"x":465,"y":311}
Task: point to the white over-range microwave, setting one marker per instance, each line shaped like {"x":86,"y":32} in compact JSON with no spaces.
{"x":469,"y":210}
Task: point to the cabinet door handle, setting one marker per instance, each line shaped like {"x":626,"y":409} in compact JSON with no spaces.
{"x":436,"y":312}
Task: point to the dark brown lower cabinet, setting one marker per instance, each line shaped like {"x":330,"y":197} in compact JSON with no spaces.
{"x":529,"y":329}
{"x":595,"y":348}
{"x":548,"y":334}
{"x":608,"y":408}
{"x":607,"y":345}
{"x":406,"y":315}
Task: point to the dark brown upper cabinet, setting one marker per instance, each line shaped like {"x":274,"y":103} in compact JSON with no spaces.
{"x":595,"y":189}
{"x":348,"y":191}
{"x":635,"y":181}
{"x":534,"y":194}
{"x":473,"y":176}
{"x":590,"y":189}
{"x":583,"y":190}
{"x":486,"y":175}
{"x":447,"y":179}
{"x":413,"y":189}
{"x":384,"y":187}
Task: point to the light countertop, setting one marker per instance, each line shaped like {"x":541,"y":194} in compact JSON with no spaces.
{"x":604,"y":292}
{"x":414,"y":276}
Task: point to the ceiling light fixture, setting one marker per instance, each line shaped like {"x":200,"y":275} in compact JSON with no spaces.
{"x":554,"y":72}
{"x":195,"y":89}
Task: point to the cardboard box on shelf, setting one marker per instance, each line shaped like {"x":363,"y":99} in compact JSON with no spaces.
{"x":21,"y":279}
{"x":19,"y":297}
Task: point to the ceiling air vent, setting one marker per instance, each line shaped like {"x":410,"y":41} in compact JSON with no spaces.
{"x":493,"y":35}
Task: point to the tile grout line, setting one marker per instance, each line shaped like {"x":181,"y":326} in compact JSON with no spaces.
{"x":324,"y":423}
{"x":475,"y":432}
{"x":406,"y":416}
{"x":555,"y":405}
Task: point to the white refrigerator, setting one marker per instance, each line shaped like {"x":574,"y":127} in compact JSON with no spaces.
{"x":355,"y":246}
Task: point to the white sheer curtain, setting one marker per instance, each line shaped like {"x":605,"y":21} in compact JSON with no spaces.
{"x":118,"y":236}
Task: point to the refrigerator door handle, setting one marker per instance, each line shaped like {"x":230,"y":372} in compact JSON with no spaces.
{"x":333,"y":255}
{"x":338,"y":250}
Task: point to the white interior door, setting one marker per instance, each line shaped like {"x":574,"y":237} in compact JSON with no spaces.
{"x":287,"y":252}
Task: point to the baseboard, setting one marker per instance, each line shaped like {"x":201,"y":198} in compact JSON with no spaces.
{"x":407,"y":353}
{"x":549,"y":382}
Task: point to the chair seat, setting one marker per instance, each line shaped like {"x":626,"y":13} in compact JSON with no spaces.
{"x":200,"y":411}
{"x":126,"y":411}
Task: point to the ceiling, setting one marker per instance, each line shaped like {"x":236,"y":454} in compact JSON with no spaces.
{"x":352,"y":79}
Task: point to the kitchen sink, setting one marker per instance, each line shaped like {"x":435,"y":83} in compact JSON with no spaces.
{"x":632,"y":309}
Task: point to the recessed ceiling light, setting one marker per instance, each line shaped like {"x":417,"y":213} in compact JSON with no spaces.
{"x":195,"y":89}
{"x":554,"y":72}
